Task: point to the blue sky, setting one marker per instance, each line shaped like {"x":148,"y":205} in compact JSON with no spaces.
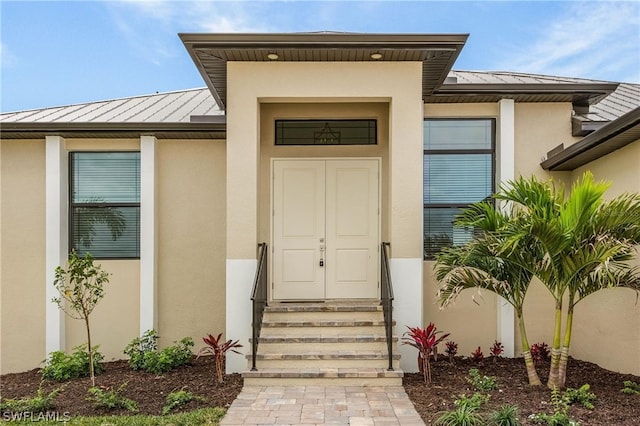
{"x":60,"y":53}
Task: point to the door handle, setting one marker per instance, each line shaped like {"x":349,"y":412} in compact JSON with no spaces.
{"x":321,"y":252}
{"x":321,"y":262}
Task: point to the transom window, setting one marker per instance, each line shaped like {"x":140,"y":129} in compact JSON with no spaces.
{"x":326,"y":132}
{"x":105,"y":204}
{"x":459,"y":162}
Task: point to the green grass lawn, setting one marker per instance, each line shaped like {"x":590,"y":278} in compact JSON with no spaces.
{"x":204,"y":416}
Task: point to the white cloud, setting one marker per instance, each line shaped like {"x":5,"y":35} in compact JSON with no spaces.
{"x":7,"y":57}
{"x":150,"y":26}
{"x":587,"y":40}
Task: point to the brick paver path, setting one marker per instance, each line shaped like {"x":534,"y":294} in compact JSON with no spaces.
{"x":319,"y":405}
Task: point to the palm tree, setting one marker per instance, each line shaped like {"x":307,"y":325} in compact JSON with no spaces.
{"x":585,"y":243}
{"x":484,"y":263}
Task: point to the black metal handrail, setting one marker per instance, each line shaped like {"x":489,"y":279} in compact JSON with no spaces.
{"x":259,"y":300}
{"x":386,"y":299}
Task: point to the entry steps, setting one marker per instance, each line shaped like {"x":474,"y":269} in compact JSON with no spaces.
{"x":330,"y":344}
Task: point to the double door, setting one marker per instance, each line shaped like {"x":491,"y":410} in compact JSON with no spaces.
{"x":325,"y":229}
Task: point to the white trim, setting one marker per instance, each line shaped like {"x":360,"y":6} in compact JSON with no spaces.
{"x":240,"y":277}
{"x":148,"y":235}
{"x":57,"y":236}
{"x":505,"y":154}
{"x":406,"y":276}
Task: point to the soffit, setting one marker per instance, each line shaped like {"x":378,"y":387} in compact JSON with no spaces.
{"x":492,"y":86}
{"x":211,"y":52}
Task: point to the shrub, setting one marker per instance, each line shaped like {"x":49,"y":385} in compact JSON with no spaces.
{"x":465,"y":414}
{"x":424,"y":340}
{"x":39,"y":403}
{"x":451,"y":349}
{"x":477,"y":356}
{"x":481,"y":383}
{"x":496,"y":350}
{"x":559,"y":416}
{"x":102,"y":397}
{"x":178,"y":399}
{"x":506,"y":415}
{"x":583,"y":395}
{"x":219,"y":351}
{"x":143,"y":353}
{"x":631,"y":388}
{"x":539,"y":352}
{"x":62,"y":367}
{"x":476,"y":400}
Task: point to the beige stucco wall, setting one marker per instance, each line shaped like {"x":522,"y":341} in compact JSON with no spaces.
{"x":191,"y":239}
{"x":114,"y":321}
{"x":22,"y":254}
{"x":607,"y":324}
{"x":190,"y":198}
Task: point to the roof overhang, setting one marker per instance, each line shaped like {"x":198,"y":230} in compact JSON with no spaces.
{"x":211,"y":52}
{"x":22,"y":130}
{"x":579,"y":94}
{"x":615,"y":135}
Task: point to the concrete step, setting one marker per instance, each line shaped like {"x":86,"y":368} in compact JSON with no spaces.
{"x":323,"y":327}
{"x":332,"y":359}
{"x":323,"y":377}
{"x":333,"y":343}
{"x":337,"y":343}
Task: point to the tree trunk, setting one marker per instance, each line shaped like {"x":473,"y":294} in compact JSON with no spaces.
{"x":554,"y":372}
{"x":564,"y":352}
{"x":90,"y":349}
{"x":532,"y":374}
{"x":219,"y":369}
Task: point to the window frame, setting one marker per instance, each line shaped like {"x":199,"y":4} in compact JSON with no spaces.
{"x":320,"y":122}
{"x":468,"y":151}
{"x":73,"y":204}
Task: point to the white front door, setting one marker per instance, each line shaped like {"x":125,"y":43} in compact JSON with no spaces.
{"x":325,"y":229}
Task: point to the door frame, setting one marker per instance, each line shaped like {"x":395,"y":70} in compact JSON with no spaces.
{"x":273,"y":160}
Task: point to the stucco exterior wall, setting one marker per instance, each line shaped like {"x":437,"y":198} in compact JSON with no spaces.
{"x":114,"y":321}
{"x":22,"y":254}
{"x":606,"y":327}
{"x":191,"y":241}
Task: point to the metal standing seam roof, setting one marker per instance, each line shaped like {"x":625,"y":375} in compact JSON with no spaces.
{"x":179,"y":106}
{"x":167,"y":107}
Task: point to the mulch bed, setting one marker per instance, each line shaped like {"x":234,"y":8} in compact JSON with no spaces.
{"x":612,"y":407}
{"x":449,"y":380}
{"x":148,"y":390}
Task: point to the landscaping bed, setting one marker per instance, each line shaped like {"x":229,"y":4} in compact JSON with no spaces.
{"x":612,"y":407}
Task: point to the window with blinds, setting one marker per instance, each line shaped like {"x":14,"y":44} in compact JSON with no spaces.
{"x":105,"y":204}
{"x":459,"y":163}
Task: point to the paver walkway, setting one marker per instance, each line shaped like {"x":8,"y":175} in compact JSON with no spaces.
{"x":319,"y":405}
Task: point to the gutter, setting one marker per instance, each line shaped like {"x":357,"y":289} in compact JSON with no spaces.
{"x":21,"y":130}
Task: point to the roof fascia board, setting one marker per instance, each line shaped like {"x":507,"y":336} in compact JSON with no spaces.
{"x":346,"y":40}
{"x":111,"y":128}
{"x":593,"y":140}
{"x":529,"y":88}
